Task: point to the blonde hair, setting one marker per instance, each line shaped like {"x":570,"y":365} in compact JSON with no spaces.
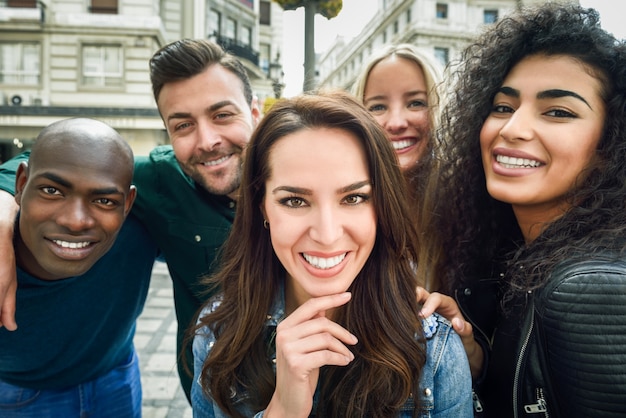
{"x":432,"y":69}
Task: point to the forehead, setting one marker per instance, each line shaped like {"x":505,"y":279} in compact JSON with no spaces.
{"x":81,"y":160}
{"x":554,"y":71}
{"x":328,"y":154}
{"x":213,"y":85}
{"x":396,"y":71}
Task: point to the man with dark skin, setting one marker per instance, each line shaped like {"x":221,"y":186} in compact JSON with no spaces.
{"x":83,"y":272}
{"x":188,"y":189}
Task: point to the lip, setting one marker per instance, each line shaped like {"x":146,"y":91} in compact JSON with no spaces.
{"x":412,"y":142}
{"x":514,"y":153}
{"x":500,"y":169}
{"x":216,"y":162}
{"x":325,"y":273}
{"x":71,"y":254}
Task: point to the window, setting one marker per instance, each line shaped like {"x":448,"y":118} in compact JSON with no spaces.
{"x":442,"y":11}
{"x":265,"y":13}
{"x":396,"y":27}
{"x":246,"y":35}
{"x":103,"y":6}
{"x":231,"y":28}
{"x":27,"y":4}
{"x":385,"y":37}
{"x":442,"y":55}
{"x":215,"y":22}
{"x":102,"y":65}
{"x":19,"y":63}
{"x":408,"y":16}
{"x":264,"y":57}
{"x":490,"y":16}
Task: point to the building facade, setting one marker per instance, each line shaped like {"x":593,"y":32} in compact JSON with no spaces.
{"x":68,"y":58}
{"x":439,"y":27}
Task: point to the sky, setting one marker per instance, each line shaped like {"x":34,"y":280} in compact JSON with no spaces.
{"x":356,"y":13}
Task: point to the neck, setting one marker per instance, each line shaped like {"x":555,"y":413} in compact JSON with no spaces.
{"x":533,"y":220}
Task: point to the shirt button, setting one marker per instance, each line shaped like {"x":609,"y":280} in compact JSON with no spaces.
{"x":428,"y":392}
{"x":231,"y":204}
{"x":198,"y":238}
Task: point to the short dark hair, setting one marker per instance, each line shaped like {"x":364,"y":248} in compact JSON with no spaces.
{"x":186,"y":58}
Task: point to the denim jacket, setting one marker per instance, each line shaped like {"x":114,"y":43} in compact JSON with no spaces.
{"x":445,"y":385}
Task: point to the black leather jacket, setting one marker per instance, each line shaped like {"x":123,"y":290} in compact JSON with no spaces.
{"x":567,"y":354}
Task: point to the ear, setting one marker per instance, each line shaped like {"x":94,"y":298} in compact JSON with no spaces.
{"x":262,"y":208}
{"x":256,"y":113}
{"x":21,"y":178}
{"x":130,"y":199}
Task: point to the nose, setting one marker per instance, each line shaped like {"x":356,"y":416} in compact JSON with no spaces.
{"x":327,"y":226}
{"x":396,"y":121}
{"x":76,"y":216}
{"x":207,"y":136}
{"x":520,"y":126}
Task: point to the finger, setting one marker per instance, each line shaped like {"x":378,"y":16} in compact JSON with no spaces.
{"x":315,"y":326}
{"x":315,"y":351}
{"x":7,"y":312}
{"x":432,"y":304}
{"x":421,"y":294}
{"x":315,"y":307}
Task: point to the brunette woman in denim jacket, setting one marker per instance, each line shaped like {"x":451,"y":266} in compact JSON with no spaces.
{"x":531,"y":210}
{"x":318,"y":315}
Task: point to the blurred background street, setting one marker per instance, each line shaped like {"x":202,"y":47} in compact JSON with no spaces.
{"x":155,"y":341}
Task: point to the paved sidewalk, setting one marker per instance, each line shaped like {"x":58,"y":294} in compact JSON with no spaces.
{"x":155,"y":341}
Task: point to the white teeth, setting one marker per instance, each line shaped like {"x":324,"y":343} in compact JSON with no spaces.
{"x":324,"y":263}
{"x":398,"y":145}
{"x":216,"y":162}
{"x":513,"y":162}
{"x":73,"y":245}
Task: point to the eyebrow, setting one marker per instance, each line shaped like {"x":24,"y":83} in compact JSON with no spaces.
{"x":405,"y":94}
{"x":212,"y":108}
{"x":546,"y":94}
{"x":65,"y":183}
{"x":304,"y":191}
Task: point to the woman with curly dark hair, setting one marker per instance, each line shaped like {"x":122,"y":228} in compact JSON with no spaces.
{"x":531,"y":212}
{"x":317,"y":315}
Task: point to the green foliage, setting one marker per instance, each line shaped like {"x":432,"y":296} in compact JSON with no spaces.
{"x":327,"y":8}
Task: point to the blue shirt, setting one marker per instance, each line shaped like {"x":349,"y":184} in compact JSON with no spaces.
{"x":445,"y":385}
{"x":77,"y":329}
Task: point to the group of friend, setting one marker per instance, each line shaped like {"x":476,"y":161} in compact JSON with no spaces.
{"x":427,"y":245}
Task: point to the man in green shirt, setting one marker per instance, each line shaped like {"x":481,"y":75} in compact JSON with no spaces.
{"x":187,"y":190}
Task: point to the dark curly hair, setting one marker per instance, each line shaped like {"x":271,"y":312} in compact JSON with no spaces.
{"x":480,"y":236}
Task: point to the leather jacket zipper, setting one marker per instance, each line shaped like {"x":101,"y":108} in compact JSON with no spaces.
{"x":478,"y":406}
{"x":539,"y":407}
{"x":520,"y":360}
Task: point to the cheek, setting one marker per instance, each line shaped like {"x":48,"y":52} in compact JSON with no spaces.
{"x":488,"y":133}
{"x":419,"y":120}
{"x":110,"y":224}
{"x":183,"y":148}
{"x":380,"y":118}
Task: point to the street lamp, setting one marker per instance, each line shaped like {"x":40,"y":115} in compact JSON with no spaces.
{"x":276,"y":75}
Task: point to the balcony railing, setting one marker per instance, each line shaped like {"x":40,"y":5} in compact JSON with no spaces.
{"x":237,"y":48}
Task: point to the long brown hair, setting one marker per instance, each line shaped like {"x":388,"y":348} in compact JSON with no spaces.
{"x":383,"y":313}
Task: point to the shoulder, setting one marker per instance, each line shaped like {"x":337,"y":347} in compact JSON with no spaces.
{"x":435,"y":324}
{"x":210,"y":306}
{"x":604,"y":263}
{"x":162,"y":153}
{"x":442,"y":342}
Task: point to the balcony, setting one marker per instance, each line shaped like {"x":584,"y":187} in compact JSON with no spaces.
{"x":237,"y":48}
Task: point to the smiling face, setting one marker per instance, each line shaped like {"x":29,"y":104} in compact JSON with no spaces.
{"x":73,"y":200}
{"x":546,"y":122}
{"x":318,"y":204}
{"x":397,"y":96}
{"x":209,"y":124}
